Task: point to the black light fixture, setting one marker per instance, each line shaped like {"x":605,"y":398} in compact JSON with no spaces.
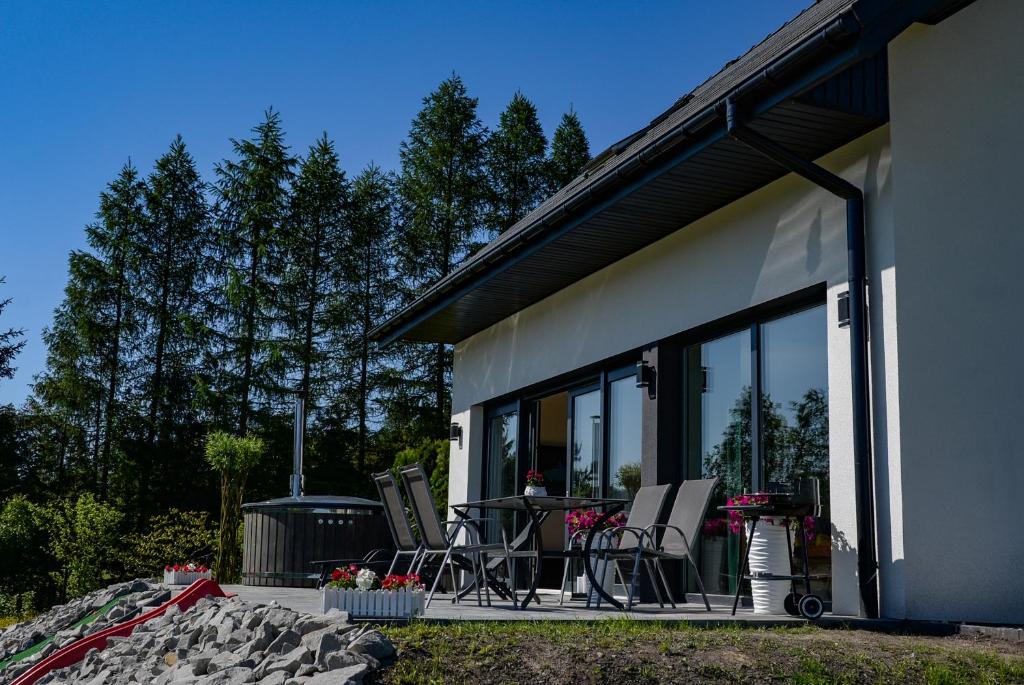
{"x":455,"y":432}
{"x":844,"y":308}
{"x":644,"y":374}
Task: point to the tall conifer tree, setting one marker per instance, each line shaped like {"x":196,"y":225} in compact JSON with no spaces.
{"x":168,"y":286}
{"x":516,"y":166}
{"x":442,"y":187}
{"x":251,"y":207}
{"x":369,"y":291}
{"x":314,"y":310}
{"x":10,"y":343}
{"x":570,"y":152}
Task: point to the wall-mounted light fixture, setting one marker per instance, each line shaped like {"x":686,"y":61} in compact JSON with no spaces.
{"x":844,"y":308}
{"x":455,"y":432}
{"x":644,"y":374}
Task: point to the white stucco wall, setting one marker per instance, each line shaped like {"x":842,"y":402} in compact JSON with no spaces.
{"x":780,"y":239}
{"x":957,"y":101}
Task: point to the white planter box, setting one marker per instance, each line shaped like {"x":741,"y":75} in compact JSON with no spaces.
{"x":184,"y":577}
{"x":769,"y":553}
{"x":374,"y":603}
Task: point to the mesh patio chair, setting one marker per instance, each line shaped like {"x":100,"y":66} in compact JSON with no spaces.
{"x":677,"y":537}
{"x":401,"y":534}
{"x":615,"y":544}
{"x":440,"y":541}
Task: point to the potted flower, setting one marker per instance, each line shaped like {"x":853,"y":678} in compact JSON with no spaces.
{"x":185,"y":574}
{"x":769,"y":552}
{"x":362,"y":594}
{"x":579,"y":523}
{"x":712,"y":552}
{"x":534,"y":484}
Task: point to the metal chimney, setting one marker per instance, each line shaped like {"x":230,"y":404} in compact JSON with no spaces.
{"x":300,"y":430}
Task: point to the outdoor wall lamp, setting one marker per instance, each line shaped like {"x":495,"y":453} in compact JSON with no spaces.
{"x":645,"y":374}
{"x":455,"y":433}
{"x":843,"y":300}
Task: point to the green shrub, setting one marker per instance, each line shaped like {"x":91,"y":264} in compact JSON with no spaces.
{"x":177,"y":536}
{"x":85,"y":541}
{"x":25,"y":560}
{"x":433,"y":454}
{"x":233,"y":457}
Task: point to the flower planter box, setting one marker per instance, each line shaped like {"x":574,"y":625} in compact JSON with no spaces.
{"x":185,"y":577}
{"x":373,"y":603}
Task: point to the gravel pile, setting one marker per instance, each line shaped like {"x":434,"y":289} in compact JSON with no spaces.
{"x":58,"y":620}
{"x":227,"y":641}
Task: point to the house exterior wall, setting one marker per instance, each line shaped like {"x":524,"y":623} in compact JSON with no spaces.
{"x":957,"y":144}
{"x":785,"y":237}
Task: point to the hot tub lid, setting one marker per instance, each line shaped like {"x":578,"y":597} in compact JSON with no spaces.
{"x":315,"y":502}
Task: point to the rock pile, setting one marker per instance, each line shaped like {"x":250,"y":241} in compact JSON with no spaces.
{"x":227,"y":641}
{"x":58,"y":620}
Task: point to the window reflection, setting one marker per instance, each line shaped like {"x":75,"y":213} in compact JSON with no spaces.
{"x":586,"y":444}
{"x":626,"y":407}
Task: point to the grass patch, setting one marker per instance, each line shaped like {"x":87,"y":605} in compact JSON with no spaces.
{"x":624,"y":651}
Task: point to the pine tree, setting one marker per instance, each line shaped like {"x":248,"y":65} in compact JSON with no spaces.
{"x":10,"y":343}
{"x":442,"y":188}
{"x":314,"y":310}
{"x":369,"y":292}
{"x":516,"y":166}
{"x":168,"y":287}
{"x":570,"y":152}
{"x":108,"y":273}
{"x":251,"y":209}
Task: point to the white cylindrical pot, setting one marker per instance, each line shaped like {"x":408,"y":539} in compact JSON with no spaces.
{"x":769,"y":553}
{"x":535,"y":491}
{"x":711,"y":563}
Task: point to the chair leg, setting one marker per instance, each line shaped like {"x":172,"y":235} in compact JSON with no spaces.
{"x":440,"y":572}
{"x":654,"y":583}
{"x":599,"y":577}
{"x":632,"y":581}
{"x":565,"y":579}
{"x":415,"y":556}
{"x":664,"y":582}
{"x":455,"y":581}
{"x":700,"y":585}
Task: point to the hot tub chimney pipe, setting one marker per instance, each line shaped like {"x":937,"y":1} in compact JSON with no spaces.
{"x":300,"y":430}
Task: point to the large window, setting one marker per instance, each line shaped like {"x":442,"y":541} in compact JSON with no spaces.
{"x":756,"y":416}
{"x":585,"y":459}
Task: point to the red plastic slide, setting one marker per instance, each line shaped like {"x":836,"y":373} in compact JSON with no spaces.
{"x":75,"y":652}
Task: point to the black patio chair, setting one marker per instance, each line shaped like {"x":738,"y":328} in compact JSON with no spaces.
{"x":440,"y":541}
{"x":676,"y":540}
{"x":616,"y":544}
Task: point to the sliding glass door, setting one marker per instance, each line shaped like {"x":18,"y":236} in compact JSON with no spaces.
{"x":756,"y":416}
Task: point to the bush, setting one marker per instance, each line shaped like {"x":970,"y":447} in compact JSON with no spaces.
{"x":25,"y":561}
{"x":85,"y":541}
{"x":177,"y":536}
{"x":433,"y":454}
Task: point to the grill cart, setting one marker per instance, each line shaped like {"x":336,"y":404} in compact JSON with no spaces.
{"x":803,"y":501}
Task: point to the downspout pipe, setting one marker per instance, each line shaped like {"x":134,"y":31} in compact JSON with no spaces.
{"x":856,"y":257}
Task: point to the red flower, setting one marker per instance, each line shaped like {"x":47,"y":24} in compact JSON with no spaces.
{"x":336,"y":574}
{"x":167,"y":567}
{"x":353,"y":568}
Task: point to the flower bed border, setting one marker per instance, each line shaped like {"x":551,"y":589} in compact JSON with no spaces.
{"x":373,"y":603}
{"x":185,"y":577}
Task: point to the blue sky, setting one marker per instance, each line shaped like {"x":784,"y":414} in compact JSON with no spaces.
{"x":88,"y":85}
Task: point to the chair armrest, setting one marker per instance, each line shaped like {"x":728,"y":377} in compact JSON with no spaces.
{"x":640,"y":533}
{"x":686,"y":541}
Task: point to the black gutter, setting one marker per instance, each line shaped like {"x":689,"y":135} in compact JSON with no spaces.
{"x":495,"y":258}
{"x":856,"y":260}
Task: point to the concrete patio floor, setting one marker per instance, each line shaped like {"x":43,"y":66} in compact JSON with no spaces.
{"x":442,"y":609}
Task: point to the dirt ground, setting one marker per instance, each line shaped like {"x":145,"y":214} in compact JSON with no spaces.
{"x":622,"y":651}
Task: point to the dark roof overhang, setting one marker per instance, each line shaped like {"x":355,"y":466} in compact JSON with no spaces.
{"x":817,"y":83}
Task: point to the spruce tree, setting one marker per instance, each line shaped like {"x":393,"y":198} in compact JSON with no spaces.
{"x":251,"y":209}
{"x":516,"y":166}
{"x":369,"y":292}
{"x":313,"y":309}
{"x":10,"y":343}
{"x":108,"y":276}
{"x":168,"y":286}
{"x":442,"y":188}
{"x":570,"y":152}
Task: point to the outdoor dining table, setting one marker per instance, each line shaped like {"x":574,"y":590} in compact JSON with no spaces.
{"x":537,"y":507}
